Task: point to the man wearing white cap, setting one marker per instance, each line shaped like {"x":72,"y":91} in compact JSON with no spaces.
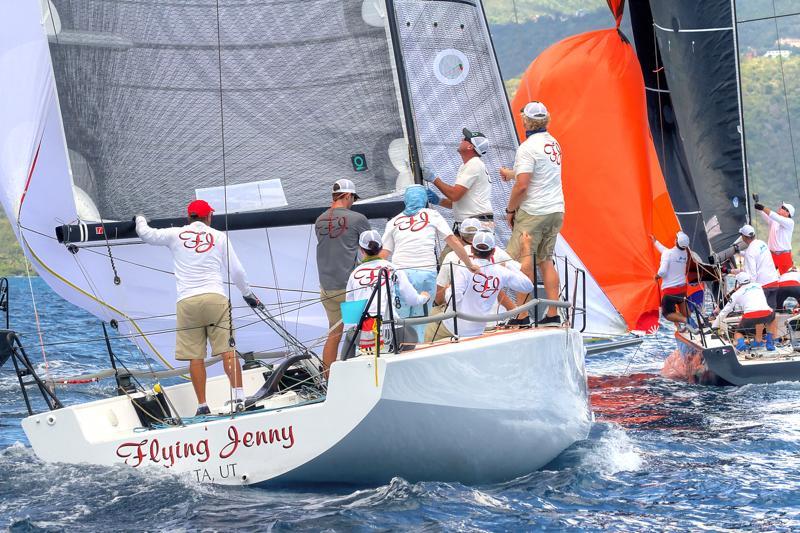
{"x":781,"y":227}
{"x":361,"y":283}
{"x":672,"y":273}
{"x":759,"y":265}
{"x":476,"y":293}
{"x":470,"y":195}
{"x":536,"y":204}
{"x":756,"y":313}
{"x":337,"y":231}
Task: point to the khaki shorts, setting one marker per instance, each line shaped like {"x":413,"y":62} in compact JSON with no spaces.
{"x":543,"y":230}
{"x":202,"y":319}
{"x":332,"y":301}
{"x":435,"y":331}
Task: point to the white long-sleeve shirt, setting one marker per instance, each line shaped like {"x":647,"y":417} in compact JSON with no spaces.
{"x":749,"y":298}
{"x":200,"y":256}
{"x":476,"y":293}
{"x":363,"y":279}
{"x":672,"y":269}
{"x":780,"y":231}
{"x":758,"y":263}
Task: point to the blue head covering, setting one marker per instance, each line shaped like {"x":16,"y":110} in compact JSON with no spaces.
{"x":415,"y":198}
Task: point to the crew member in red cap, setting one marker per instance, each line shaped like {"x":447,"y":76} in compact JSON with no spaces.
{"x":202,"y":257}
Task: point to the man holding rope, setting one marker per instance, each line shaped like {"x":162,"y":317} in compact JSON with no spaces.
{"x":202,"y":258}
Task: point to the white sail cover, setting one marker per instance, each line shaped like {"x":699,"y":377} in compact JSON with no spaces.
{"x":114,"y":108}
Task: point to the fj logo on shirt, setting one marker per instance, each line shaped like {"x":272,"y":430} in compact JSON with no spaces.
{"x":485,"y":285}
{"x":553,"y":150}
{"x":413,"y":222}
{"x":200,"y":242}
{"x":332,"y":227}
{"x":367,"y":276}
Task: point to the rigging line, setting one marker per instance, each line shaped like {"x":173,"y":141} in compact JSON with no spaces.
{"x":275,"y":278}
{"x":38,"y":324}
{"x":302,"y":282}
{"x":786,"y":99}
{"x":774,"y":16}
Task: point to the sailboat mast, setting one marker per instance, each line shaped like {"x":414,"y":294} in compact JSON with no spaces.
{"x":741,"y":106}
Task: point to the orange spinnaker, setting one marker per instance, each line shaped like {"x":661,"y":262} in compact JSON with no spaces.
{"x":615,"y":192}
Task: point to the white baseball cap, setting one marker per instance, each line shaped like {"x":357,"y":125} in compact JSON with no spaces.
{"x":742,"y":278}
{"x":789,"y":208}
{"x":682,"y":239}
{"x":535,"y":110}
{"x":478,"y":140}
{"x":483,"y":241}
{"x":368,"y":237}
{"x":747,"y":230}
{"x":345,"y":185}
{"x":470,"y":226}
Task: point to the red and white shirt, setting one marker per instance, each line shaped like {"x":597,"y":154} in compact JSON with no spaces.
{"x":366,"y":275}
{"x":780,"y":231}
{"x":750,"y":299}
{"x":790,"y":279}
{"x":200,"y":255}
{"x":758,"y":263}
{"x":412,"y":239}
{"x":476,"y":293}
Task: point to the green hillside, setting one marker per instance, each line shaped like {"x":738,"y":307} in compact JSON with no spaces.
{"x":516,"y":11}
{"x":12,"y":262}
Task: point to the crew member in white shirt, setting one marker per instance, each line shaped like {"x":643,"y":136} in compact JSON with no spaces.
{"x":672,"y":273}
{"x":410,"y":240}
{"x":476,"y":293}
{"x":756,"y":313}
{"x":202,"y":257}
{"x":471,"y":194}
{"x":469,"y":228}
{"x":758,"y":263}
{"x":367,"y":274}
{"x":789,"y":287}
{"x":536,"y":204}
{"x":781,"y":227}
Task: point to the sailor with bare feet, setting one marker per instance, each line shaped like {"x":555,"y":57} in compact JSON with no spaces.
{"x":202,"y":257}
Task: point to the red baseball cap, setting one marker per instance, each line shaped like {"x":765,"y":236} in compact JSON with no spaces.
{"x":199,"y":208}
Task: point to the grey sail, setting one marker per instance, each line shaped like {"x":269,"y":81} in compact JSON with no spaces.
{"x":155,"y":95}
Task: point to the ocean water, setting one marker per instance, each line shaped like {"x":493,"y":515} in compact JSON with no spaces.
{"x":662,"y":456}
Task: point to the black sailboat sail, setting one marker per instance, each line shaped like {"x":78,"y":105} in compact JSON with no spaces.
{"x":696,"y":42}
{"x":664,"y":127}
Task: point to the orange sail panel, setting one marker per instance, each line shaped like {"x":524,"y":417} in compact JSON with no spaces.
{"x":616,"y":196}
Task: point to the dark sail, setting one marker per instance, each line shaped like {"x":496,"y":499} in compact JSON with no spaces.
{"x":697,"y":45}
{"x":663,"y":125}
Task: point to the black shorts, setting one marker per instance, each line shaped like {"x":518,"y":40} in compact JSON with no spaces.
{"x":772,"y":297}
{"x":669,"y":301}
{"x":748,"y":325}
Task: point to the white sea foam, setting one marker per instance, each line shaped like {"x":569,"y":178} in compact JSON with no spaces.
{"x":613,"y":452}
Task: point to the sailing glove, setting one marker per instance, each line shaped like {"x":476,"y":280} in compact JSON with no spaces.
{"x":433,"y":198}
{"x":428,"y":174}
{"x":759,"y":207}
{"x":253,"y":301}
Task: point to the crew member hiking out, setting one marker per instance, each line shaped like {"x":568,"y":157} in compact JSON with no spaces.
{"x":203,"y":258}
{"x":759,"y":265}
{"x":363,"y":279}
{"x":756,"y":314}
{"x":337,"y":231}
{"x":471,"y":194}
{"x":410,"y":240}
{"x":476,"y":293}
{"x":781,"y":227}
{"x":672,"y":273}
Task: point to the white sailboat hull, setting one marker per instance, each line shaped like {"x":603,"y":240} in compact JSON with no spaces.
{"x":481,"y":410}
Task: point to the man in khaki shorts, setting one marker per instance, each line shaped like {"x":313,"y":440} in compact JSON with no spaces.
{"x":337,"y":231}
{"x":201,"y":257}
{"x":536,"y":205}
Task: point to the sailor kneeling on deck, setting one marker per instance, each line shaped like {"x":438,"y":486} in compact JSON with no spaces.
{"x":756,"y":313}
{"x":363,"y":280}
{"x":476,"y":293}
{"x":202,"y":256}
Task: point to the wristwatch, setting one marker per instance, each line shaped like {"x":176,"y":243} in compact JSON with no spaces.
{"x":511,"y":212}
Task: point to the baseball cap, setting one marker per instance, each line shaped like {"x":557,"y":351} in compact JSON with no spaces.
{"x":478,"y":140}
{"x":682,"y":239}
{"x":535,"y":110}
{"x":483,"y":241}
{"x":199,"y":208}
{"x":789,"y":208}
{"x":345,"y":185}
{"x":368,"y":237}
{"x":742,"y":278}
{"x":747,"y":230}
{"x":470,"y":226}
